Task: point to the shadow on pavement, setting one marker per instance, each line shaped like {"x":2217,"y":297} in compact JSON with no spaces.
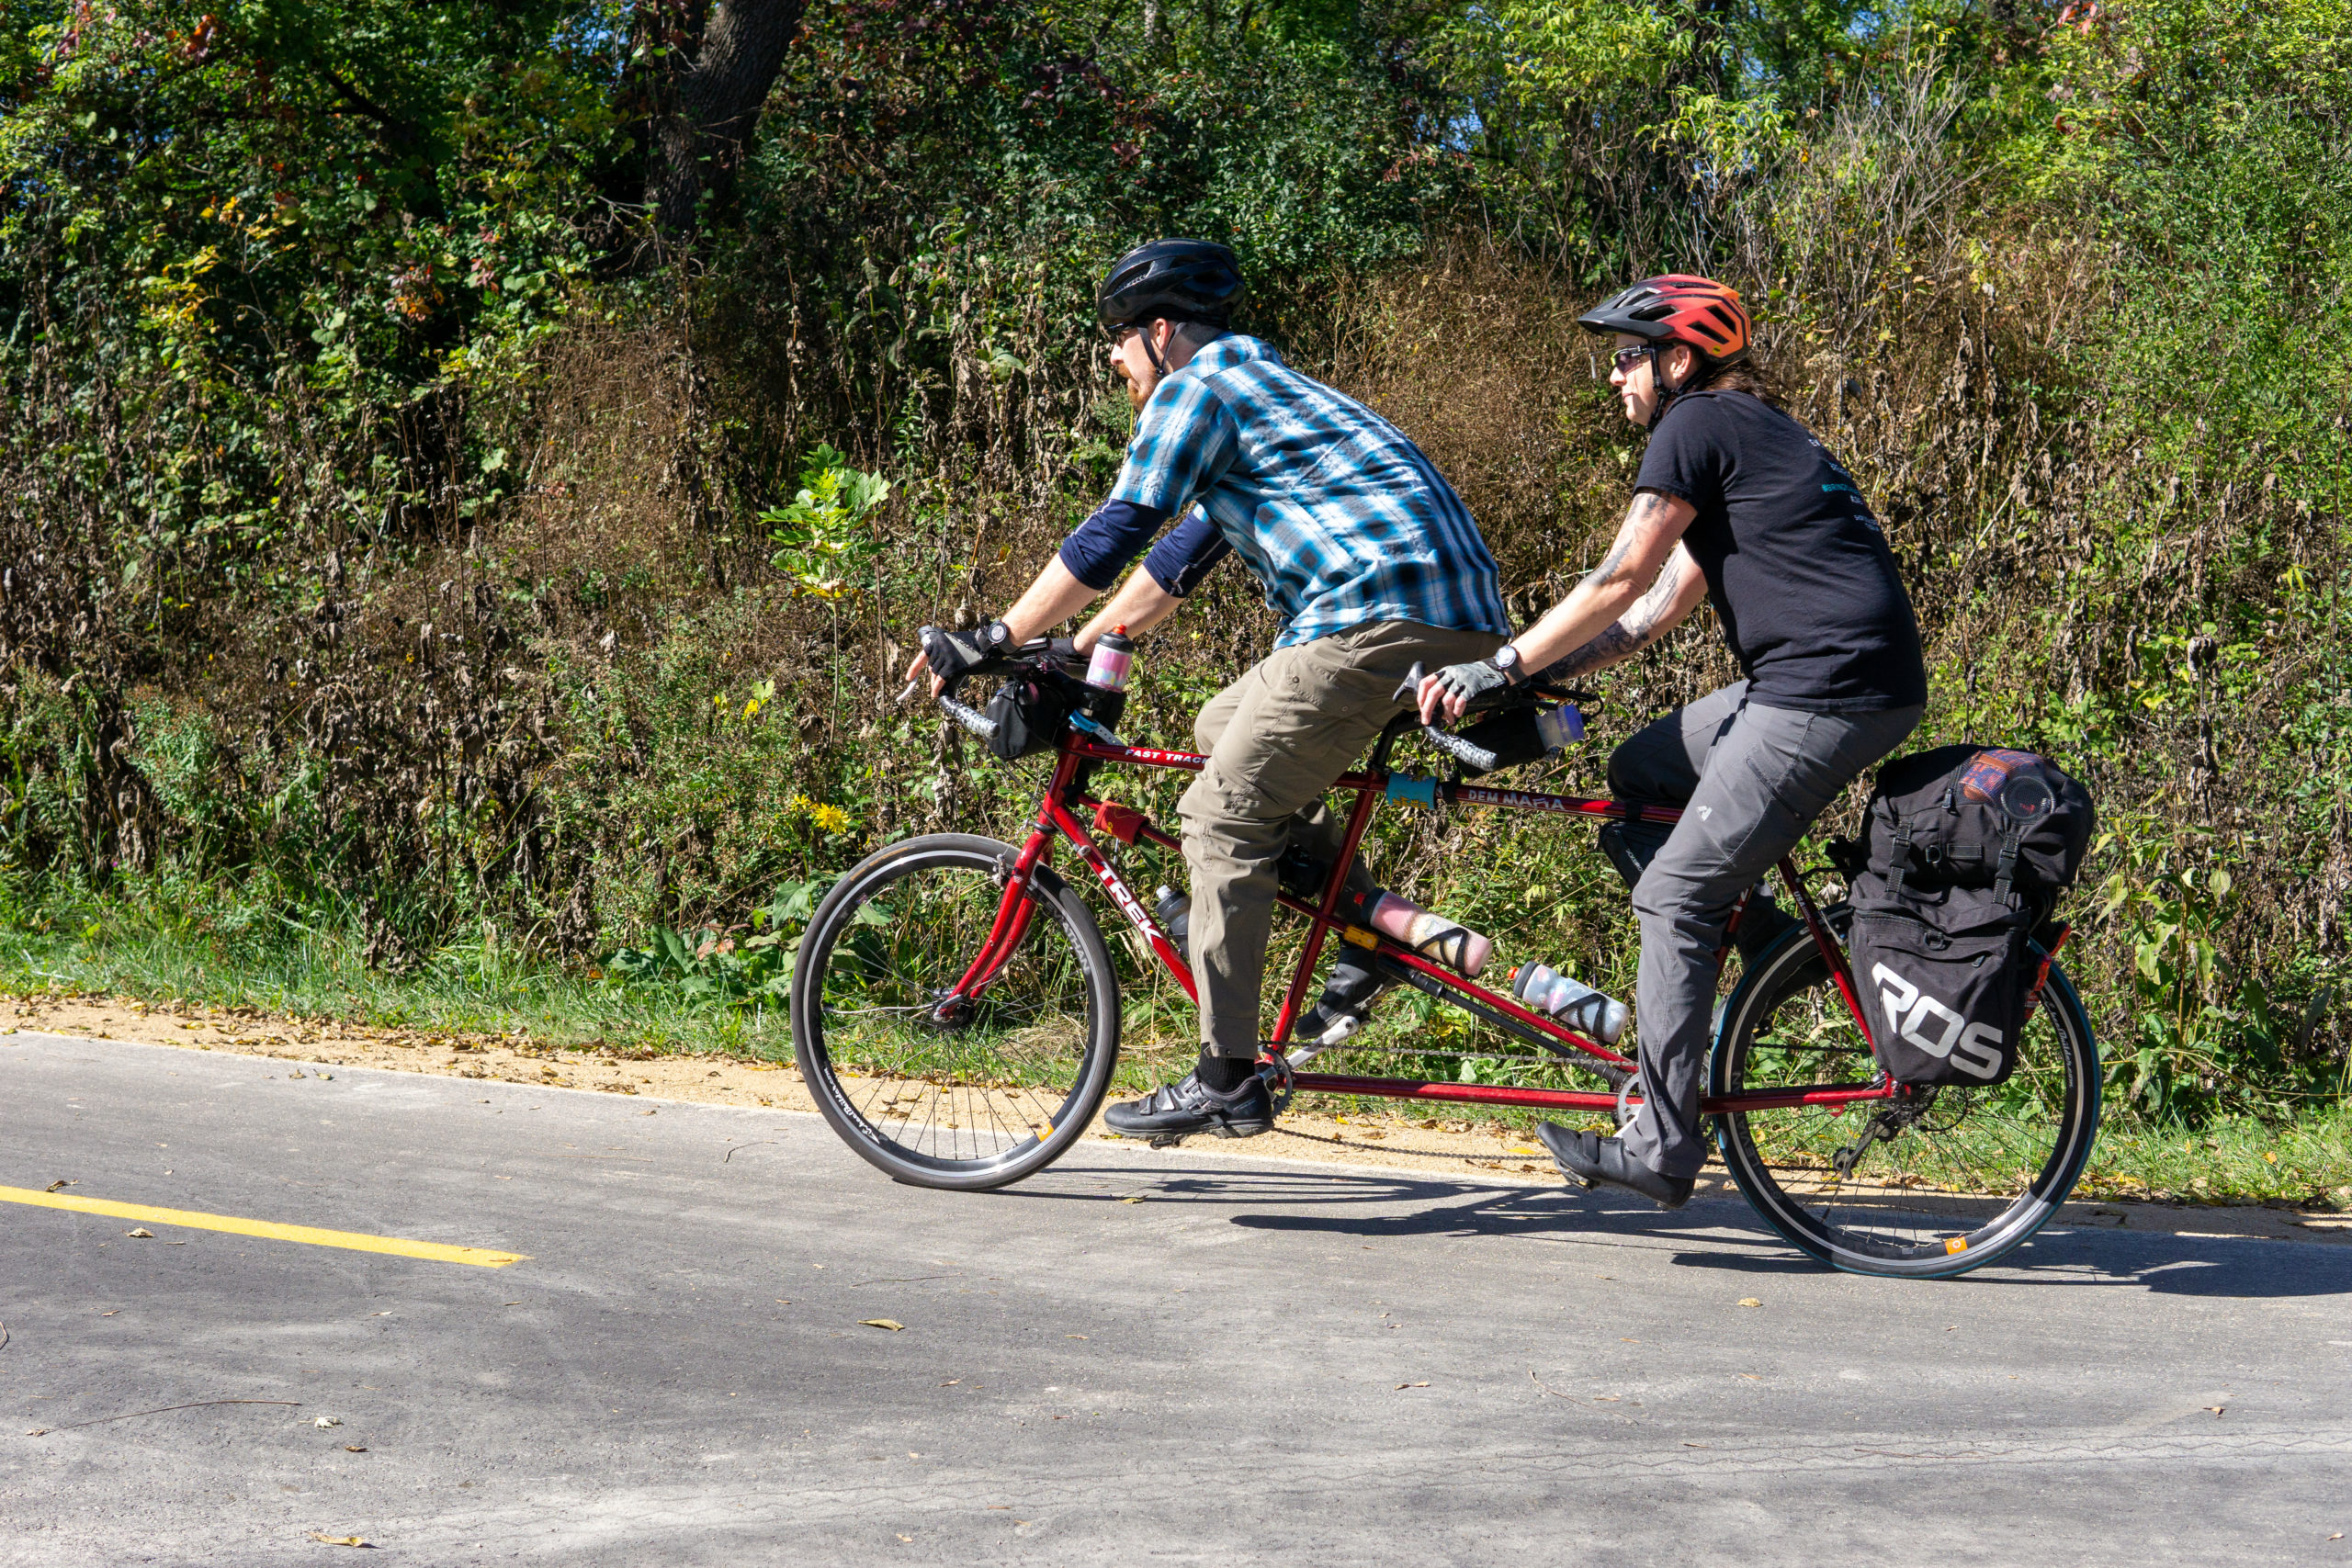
{"x":1336,"y":1204}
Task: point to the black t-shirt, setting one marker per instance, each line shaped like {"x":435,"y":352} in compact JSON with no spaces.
{"x":1797,"y":568}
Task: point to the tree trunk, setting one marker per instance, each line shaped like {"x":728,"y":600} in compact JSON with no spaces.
{"x":699,"y":141}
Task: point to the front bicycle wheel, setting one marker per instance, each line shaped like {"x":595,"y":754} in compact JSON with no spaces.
{"x":962,"y":1093}
{"x":1931,"y":1185}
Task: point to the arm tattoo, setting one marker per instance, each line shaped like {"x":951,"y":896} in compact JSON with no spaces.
{"x":1600,"y":575}
{"x":1612,"y":644}
{"x":1645,"y":503}
{"x":1631,"y":632}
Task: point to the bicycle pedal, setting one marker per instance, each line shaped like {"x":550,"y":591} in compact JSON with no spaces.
{"x":1167,"y":1140}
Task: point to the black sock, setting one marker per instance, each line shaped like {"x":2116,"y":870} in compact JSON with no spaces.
{"x":1224,"y":1073}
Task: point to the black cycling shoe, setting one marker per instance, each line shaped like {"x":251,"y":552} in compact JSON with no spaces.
{"x":1187,"y":1105}
{"x":1346,"y":1004}
{"x":1594,"y":1159}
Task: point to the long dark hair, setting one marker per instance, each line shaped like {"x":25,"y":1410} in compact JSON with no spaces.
{"x":1748,"y":375}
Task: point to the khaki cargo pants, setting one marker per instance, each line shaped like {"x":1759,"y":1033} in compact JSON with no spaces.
{"x":1276,"y":740}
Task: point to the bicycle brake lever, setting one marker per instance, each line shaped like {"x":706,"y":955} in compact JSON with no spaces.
{"x":1409,"y":688}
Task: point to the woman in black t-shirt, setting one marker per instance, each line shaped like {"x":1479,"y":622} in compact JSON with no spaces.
{"x":1737,"y":503}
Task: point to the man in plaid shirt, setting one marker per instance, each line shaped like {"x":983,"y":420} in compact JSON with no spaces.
{"x":1366,"y":555}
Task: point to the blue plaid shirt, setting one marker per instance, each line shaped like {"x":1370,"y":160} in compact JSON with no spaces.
{"x":1342,"y":517}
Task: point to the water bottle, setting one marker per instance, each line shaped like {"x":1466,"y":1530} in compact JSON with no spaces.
{"x":1113,"y":659}
{"x":1590,"y":1013}
{"x":1428,"y":934}
{"x":1175,"y":911}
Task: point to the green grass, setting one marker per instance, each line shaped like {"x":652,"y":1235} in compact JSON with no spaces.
{"x":486,"y":986}
{"x":482,"y":986}
{"x":2233,"y":1160}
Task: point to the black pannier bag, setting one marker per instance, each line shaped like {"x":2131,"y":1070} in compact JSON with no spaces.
{"x":1964,"y":850}
{"x":1031,"y":713}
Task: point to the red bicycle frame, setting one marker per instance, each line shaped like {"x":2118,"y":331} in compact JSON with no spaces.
{"x":1066,"y":797}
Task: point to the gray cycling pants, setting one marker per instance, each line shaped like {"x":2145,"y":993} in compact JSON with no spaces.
{"x":1750,"y":780}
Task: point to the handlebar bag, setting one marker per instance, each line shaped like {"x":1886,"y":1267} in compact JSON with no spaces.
{"x":1942,"y":975}
{"x":1524,"y":734}
{"x":1032,"y":715}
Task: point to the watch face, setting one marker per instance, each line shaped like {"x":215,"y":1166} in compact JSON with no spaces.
{"x":1507,"y":658}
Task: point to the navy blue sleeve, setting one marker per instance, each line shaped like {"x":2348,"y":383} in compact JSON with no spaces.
{"x":1103,"y":544}
{"x":1186,"y":555}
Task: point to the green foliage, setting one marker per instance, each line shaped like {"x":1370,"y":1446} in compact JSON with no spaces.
{"x":394,"y":529}
{"x":709,"y":968}
{"x":823,"y":532}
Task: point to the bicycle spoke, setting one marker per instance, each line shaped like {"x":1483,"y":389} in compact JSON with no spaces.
{"x":921,"y":1077}
{"x":1927,"y":1179}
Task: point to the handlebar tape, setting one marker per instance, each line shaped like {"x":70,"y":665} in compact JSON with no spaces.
{"x":972,"y":719}
{"x":1477,"y":757}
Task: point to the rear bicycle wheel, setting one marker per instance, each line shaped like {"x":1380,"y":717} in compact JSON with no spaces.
{"x":977,"y":1093}
{"x":1931,"y":1184}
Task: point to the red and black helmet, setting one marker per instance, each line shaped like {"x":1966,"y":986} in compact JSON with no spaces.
{"x":1677,"y":308}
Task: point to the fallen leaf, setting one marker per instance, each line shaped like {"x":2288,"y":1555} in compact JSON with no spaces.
{"x":1412,"y":1386}
{"x":2216,"y":1409}
{"x":1073,"y":1335}
{"x":326,"y":1421}
{"x":1750,"y":1302}
{"x":911,"y":1454}
{"x":1137,"y":1199}
{"x":142,"y":1232}
{"x":337,"y":1540}
{"x":55,"y":1185}
{"x":909,"y":1540}
{"x":2338,"y":1536}
{"x":951,"y":1382}
{"x":891,"y":1324}
{"x":355,"y":1447}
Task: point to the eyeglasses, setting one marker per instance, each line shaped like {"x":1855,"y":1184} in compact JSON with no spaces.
{"x":1626,"y":359}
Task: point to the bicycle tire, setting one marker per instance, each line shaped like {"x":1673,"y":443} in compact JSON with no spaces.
{"x":971,"y":1103}
{"x":1931,"y":1203}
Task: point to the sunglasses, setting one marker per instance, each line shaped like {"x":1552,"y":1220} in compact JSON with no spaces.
{"x":1626,"y":359}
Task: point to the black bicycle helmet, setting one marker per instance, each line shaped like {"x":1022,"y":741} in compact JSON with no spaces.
{"x":1180,"y":280}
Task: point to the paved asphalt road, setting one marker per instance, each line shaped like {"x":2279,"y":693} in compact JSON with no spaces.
{"x":678,"y":1374}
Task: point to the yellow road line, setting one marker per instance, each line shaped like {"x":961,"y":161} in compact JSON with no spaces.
{"x":268,"y":1230}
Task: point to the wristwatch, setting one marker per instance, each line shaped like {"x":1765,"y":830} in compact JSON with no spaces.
{"x":1506,"y":658}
